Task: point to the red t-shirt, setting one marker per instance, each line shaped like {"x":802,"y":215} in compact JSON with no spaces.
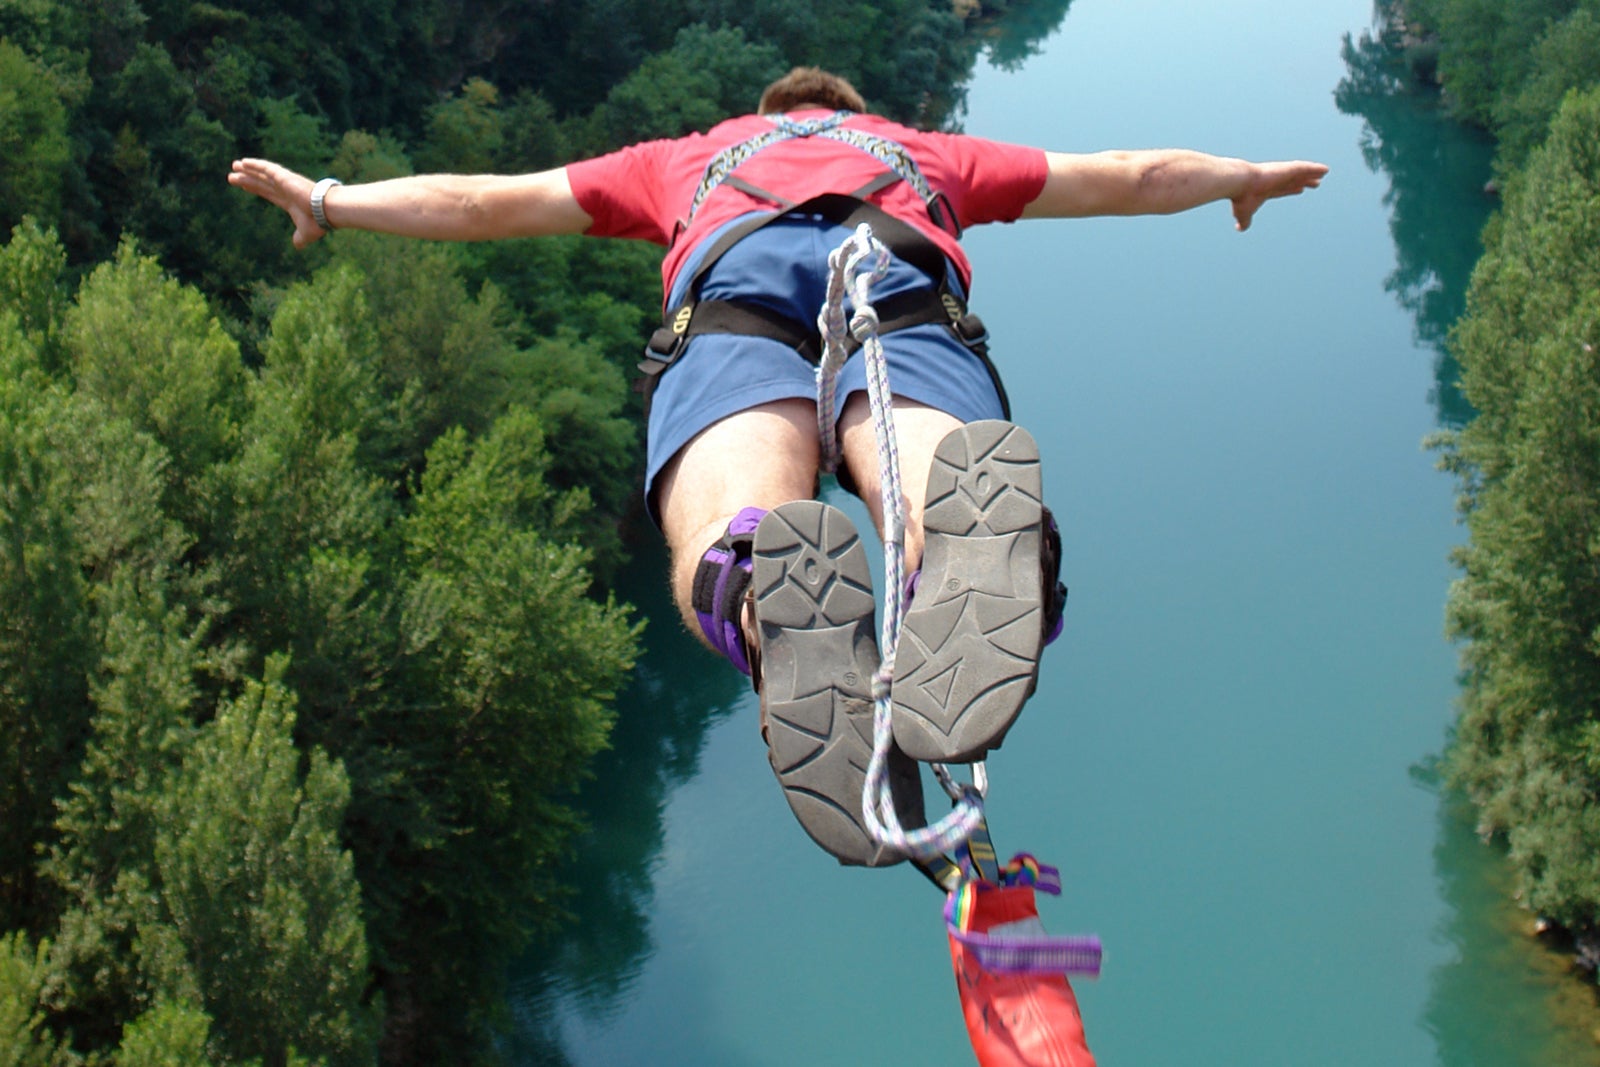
{"x":644,"y":191}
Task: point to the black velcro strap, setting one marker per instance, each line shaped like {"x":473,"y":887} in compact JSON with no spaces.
{"x":903,"y":239}
{"x":754,"y":320}
{"x":915,"y":307}
{"x":731,"y":550}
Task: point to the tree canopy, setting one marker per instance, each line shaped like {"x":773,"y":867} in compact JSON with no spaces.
{"x":1527,"y":747}
{"x":305,"y":633}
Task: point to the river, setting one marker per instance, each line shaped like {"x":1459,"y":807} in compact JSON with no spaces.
{"x":1230,"y":752}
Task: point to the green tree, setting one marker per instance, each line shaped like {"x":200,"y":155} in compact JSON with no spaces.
{"x":34,"y":149}
{"x":443,"y":353}
{"x":1565,"y":57}
{"x":464,"y":134}
{"x":707,"y":76}
{"x":1528,"y":601}
{"x":32,"y":266}
{"x":168,"y":1035}
{"x":151,"y":351}
{"x":294,"y":137}
{"x":259,"y":890}
{"x":304,"y":550}
{"x":44,"y":626}
{"x":144,"y":693}
{"x":512,"y":669}
{"x":532,"y":138}
{"x":25,"y":1040}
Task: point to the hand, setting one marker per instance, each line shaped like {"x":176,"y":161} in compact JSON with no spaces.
{"x":281,"y":186}
{"x":1272,"y":180}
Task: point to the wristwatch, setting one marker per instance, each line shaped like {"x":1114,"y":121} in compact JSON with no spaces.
{"x":318,"y":192}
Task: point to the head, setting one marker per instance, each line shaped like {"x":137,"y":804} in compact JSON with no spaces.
{"x":810,"y":87}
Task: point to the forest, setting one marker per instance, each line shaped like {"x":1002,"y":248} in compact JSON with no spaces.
{"x":1526,"y":604}
{"x":306,"y":626}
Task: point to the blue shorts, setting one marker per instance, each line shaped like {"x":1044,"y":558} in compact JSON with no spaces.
{"x":784,"y":266}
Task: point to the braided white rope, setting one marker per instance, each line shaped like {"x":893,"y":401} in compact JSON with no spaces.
{"x":853,"y":267}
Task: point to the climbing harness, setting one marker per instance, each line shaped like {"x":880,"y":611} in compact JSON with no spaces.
{"x":1018,"y":1005}
{"x":940,"y":304}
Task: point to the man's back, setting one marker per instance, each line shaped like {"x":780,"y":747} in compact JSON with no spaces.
{"x":645,"y":191}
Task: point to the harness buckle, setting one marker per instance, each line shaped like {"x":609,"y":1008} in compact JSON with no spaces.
{"x":666,"y":342}
{"x":971,"y":329}
{"x":965,"y":323}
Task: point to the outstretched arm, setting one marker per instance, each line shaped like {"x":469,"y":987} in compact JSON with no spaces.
{"x":446,"y":207}
{"x":1163,"y":182}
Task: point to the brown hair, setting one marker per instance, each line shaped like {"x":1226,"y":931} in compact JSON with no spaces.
{"x":811,"y":86}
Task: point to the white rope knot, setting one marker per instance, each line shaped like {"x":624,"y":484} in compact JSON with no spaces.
{"x":864,"y":323}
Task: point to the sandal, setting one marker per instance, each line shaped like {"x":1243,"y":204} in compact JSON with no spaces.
{"x":968,"y":657}
{"x":815,"y":655}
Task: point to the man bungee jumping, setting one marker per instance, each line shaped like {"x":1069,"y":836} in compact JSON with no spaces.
{"x":764,"y":574}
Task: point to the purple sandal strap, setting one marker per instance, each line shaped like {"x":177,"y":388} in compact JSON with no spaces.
{"x":720,"y":582}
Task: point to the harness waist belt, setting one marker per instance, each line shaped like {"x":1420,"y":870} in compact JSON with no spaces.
{"x":938,"y":304}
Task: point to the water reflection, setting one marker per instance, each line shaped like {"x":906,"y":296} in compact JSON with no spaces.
{"x":678,"y":693}
{"x":1437,"y":169}
{"x":1504,"y":999}
{"x":1011,"y":41}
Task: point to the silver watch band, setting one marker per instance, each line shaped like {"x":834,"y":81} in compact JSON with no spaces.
{"x":318,"y":192}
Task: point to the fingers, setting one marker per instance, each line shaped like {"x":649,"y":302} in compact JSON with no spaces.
{"x":267,"y":180}
{"x":283,"y":188}
{"x":1296,"y":177}
{"x":1275,"y":180}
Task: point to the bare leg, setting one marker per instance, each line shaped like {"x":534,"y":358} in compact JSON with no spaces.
{"x":761,"y":457}
{"x":918,"y":431}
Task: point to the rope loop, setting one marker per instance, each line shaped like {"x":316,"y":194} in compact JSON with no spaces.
{"x":854,"y":267}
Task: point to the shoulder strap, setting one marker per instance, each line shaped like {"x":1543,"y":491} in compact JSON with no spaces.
{"x":891,"y":153}
{"x":725,"y":162}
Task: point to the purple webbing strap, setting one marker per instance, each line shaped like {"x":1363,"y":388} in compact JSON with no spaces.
{"x":725,"y":633}
{"x":1034,"y":955}
{"x":1039,"y":954}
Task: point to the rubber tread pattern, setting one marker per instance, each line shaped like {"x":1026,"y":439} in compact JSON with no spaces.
{"x":814,"y":610}
{"x":968,"y":657}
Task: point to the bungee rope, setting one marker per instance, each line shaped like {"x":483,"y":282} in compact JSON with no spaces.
{"x":854,"y":267}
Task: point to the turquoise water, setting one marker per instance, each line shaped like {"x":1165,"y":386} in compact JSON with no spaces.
{"x":1228,"y":751}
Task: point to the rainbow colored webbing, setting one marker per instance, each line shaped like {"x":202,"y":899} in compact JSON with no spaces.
{"x":1030,"y":954}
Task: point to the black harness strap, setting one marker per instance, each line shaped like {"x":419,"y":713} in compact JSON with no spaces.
{"x":941,"y":304}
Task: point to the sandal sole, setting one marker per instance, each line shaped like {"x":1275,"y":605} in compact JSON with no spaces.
{"x":968,"y":657}
{"x":814,"y":609}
